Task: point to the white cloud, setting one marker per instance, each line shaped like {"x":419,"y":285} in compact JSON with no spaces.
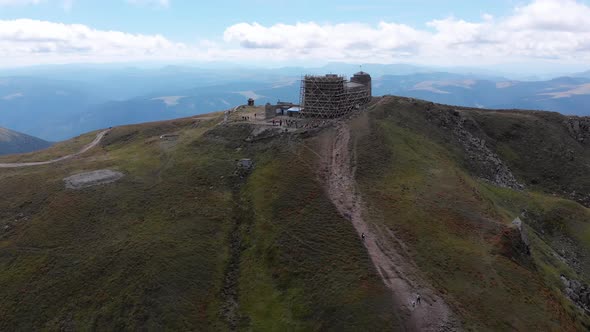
{"x":550,"y":29}
{"x":310,"y":36}
{"x":47,"y":41}
{"x":558,"y":30}
{"x":551,"y":15}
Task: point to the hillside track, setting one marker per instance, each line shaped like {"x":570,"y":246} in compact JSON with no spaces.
{"x":85,"y":149}
{"x":396,"y":270}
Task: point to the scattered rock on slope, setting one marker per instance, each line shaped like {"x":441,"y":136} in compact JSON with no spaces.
{"x":579,"y":128}
{"x":480,"y":157}
{"x":578,"y":292}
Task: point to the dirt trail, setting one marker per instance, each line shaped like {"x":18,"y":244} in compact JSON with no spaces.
{"x":94,"y":143}
{"x":384,"y":248}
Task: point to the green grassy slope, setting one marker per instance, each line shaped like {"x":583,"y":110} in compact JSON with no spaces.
{"x":147,"y":252}
{"x":153,"y":251}
{"x":457,"y":227}
{"x":542,"y":152}
{"x":304,"y":268}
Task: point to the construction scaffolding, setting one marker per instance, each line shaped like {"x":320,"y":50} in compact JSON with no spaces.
{"x":332,"y":96}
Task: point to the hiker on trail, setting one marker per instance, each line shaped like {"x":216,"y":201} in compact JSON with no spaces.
{"x":281,"y":123}
{"x":418,"y":299}
{"x":273,"y":122}
{"x":363,"y":236}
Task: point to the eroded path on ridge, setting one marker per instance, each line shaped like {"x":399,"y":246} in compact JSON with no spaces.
{"x":398,"y":272}
{"x":94,"y":143}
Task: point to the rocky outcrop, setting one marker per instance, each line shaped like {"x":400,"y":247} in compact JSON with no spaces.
{"x":481,"y":159}
{"x":579,"y":128}
{"x":577,"y":292}
{"x":244,"y":167}
{"x":523,"y":234}
{"x":514,"y":244}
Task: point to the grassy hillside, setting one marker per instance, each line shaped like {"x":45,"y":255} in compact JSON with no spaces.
{"x":155,"y":250}
{"x":189,"y":241}
{"x":120,"y":256}
{"x":304,"y":268}
{"x":458,"y":227}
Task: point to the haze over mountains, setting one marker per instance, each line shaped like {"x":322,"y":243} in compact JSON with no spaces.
{"x":60,"y":102}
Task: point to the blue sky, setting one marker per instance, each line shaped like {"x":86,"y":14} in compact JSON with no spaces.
{"x":450,"y":33}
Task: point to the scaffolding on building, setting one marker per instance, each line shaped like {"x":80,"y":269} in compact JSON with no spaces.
{"x":333,"y":96}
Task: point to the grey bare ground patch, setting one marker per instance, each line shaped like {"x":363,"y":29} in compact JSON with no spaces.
{"x":94,"y":178}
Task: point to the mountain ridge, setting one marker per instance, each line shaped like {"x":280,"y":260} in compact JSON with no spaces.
{"x":191,"y":239}
{"x":12,"y":142}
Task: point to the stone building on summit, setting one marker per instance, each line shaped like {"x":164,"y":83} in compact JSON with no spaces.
{"x":332,"y":96}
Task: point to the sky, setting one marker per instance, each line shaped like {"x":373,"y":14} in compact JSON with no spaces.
{"x":533,"y":33}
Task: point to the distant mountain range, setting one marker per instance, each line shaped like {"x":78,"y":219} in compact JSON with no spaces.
{"x":585,"y":74}
{"x":14,"y":142}
{"x":566,"y":95}
{"x":59,"y":102}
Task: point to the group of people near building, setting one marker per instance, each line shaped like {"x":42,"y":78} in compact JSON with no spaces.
{"x":286,"y":122}
{"x":299,"y":124}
